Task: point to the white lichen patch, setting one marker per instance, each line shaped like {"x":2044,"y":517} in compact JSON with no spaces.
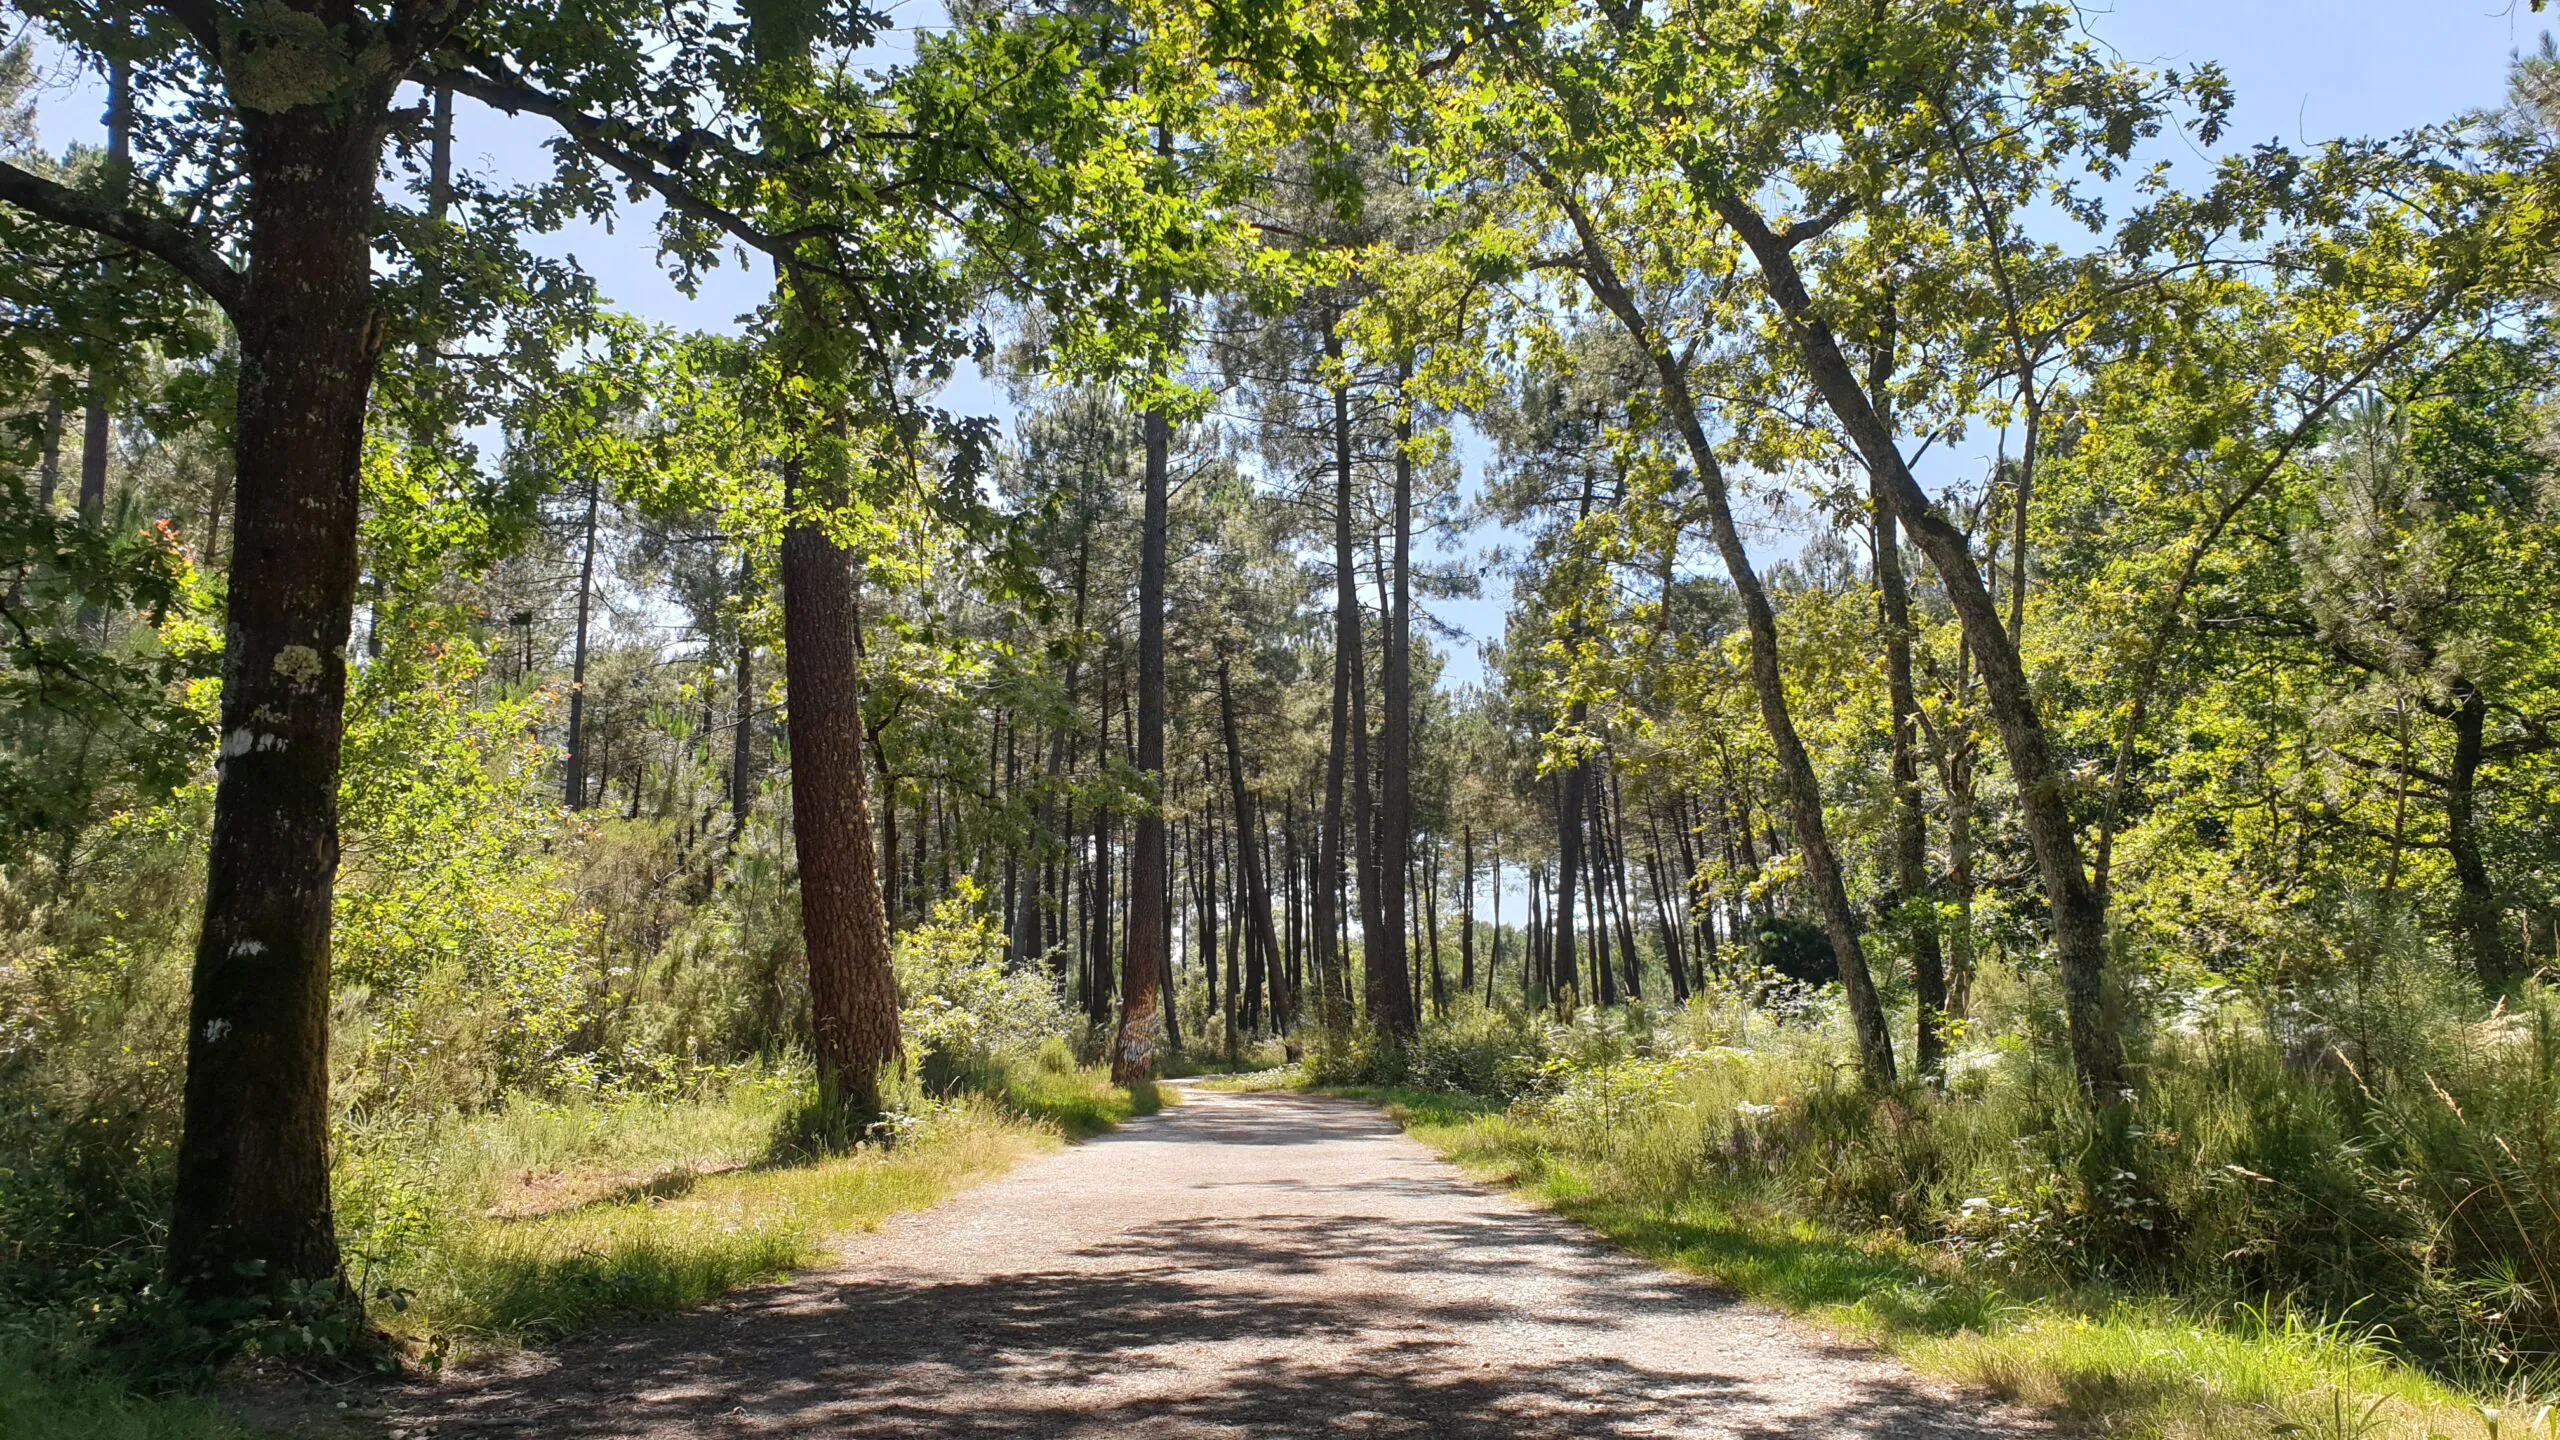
{"x":214,"y":1030}
{"x":300,"y":665}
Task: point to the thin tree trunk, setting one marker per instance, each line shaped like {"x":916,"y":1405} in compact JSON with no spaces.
{"x":573,"y":782}
{"x":1332,"y":963}
{"x":1795,"y":766}
{"x":1467,"y":910}
{"x":96,"y":433}
{"x":1397,"y":1015}
{"x":2077,"y":911}
{"x":1910,"y":820}
{"x":1266,"y":949}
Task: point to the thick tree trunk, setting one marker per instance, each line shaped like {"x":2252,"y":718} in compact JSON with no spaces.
{"x":1142,"y":1037}
{"x":844,"y":919}
{"x":1768,"y":681}
{"x":251,"y":1205}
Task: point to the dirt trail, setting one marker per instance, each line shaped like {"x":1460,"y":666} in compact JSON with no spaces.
{"x":1239,"y":1265}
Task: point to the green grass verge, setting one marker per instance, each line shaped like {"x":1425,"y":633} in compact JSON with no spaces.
{"x":39,"y":1398}
{"x":691,"y":1231}
{"x":2133,"y":1367}
{"x":544,"y":1217}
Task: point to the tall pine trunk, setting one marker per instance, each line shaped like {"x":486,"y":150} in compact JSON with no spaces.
{"x":844,"y":920}
{"x":1396,"y":1009}
{"x":1332,"y":963}
{"x":1142,"y":1021}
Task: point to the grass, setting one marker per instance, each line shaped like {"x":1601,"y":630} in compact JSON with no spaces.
{"x":544,"y":1217}
{"x":38,"y":1398}
{"x":649,"y":1206}
{"x":2117,"y":1366}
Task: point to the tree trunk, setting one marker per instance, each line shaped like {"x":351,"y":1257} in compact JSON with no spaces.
{"x":1768,"y":682}
{"x":1257,"y":890}
{"x":251,"y":1205}
{"x":2477,"y":908}
{"x":96,"y":433}
{"x":1563,"y":965}
{"x":742,"y":743}
{"x":573,"y":782}
{"x":844,"y":919}
{"x":1467,"y":910}
{"x":2077,"y":912}
{"x":1332,"y":963}
{"x":1397,"y":1015}
{"x":1910,"y":819}
{"x":1142,"y":1022}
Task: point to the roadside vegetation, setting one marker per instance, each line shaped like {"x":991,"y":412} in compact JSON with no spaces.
{"x":2264,"y":1247}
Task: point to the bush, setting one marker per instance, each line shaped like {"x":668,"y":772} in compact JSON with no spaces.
{"x":966,"y":1011}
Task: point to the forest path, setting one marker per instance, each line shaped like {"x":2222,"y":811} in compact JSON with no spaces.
{"x":1237,"y":1265}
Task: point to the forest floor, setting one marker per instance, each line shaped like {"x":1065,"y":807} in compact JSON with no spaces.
{"x":1240,"y":1264}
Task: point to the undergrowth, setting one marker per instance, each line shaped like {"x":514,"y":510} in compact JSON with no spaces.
{"x":2262,"y":1242}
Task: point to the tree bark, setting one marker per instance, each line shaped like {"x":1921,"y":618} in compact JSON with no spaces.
{"x":844,"y":919}
{"x":1396,"y":1015}
{"x":1467,"y":910}
{"x":1142,"y":1036}
{"x":2477,"y":909}
{"x":1257,"y":889}
{"x":251,"y":1206}
{"x":1768,"y":681}
{"x":1331,"y":963}
{"x":573,"y":782}
{"x":1910,"y":819}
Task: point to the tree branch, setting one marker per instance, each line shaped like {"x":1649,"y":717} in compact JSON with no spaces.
{"x":179,"y":245}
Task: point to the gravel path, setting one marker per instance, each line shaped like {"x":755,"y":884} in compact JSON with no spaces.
{"x":1239,"y":1265}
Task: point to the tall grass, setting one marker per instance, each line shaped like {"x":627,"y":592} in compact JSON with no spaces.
{"x":2292,"y":1221}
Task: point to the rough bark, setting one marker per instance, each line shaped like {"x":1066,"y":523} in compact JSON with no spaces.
{"x":251,"y":1206}
{"x":1330,"y":961}
{"x":1142,"y":1036}
{"x":1397,"y":1011}
{"x":844,"y":920}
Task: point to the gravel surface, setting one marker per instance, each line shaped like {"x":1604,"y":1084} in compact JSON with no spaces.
{"x":1239,"y":1265}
